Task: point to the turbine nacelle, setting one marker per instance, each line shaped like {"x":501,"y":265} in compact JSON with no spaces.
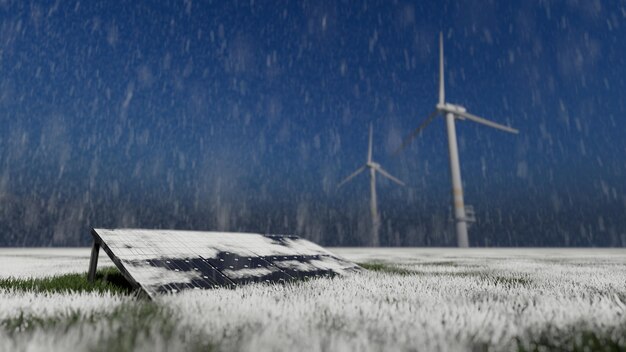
{"x":455,"y":109}
{"x":373,"y":165}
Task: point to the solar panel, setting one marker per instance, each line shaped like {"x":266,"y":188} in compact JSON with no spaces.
{"x":162,"y":261}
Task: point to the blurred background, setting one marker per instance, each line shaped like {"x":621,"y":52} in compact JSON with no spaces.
{"x":245,"y":115}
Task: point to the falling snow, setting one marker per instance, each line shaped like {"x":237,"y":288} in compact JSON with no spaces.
{"x":245,"y":116}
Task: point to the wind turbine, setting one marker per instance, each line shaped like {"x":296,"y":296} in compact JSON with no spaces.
{"x":452,"y":112}
{"x":373,"y":168}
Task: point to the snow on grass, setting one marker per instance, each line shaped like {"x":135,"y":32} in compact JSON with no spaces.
{"x":106,"y":280}
{"x":378,"y":310}
{"x":42,"y":262}
{"x":440,"y":300}
{"x":91,"y":322}
{"x":28,"y":320}
{"x":16,"y":303}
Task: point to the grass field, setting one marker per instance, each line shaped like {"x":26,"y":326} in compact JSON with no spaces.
{"x":406,"y":300}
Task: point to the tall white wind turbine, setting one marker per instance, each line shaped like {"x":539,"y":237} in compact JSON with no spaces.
{"x":373,"y":168}
{"x":452,"y":112}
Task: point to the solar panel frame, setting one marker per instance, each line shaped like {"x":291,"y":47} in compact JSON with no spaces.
{"x":161,"y":261}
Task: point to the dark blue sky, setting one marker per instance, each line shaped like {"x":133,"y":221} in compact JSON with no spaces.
{"x":245,"y":115}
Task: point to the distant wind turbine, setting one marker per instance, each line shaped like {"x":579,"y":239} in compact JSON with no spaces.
{"x":451,"y":111}
{"x":374,"y":168}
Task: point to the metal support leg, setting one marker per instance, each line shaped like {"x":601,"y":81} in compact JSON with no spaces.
{"x":93,"y":262}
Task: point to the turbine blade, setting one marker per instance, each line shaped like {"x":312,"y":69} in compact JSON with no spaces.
{"x":408,"y":139}
{"x":486,"y":122}
{"x":389,"y":176}
{"x":369,"y":148}
{"x":353,"y":175}
{"x":442,"y":89}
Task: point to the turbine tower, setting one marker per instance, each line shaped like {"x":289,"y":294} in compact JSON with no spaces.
{"x":373,"y":168}
{"x":451,"y":113}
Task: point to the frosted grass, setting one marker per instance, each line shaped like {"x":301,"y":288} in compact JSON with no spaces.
{"x":378,"y":311}
{"x":23,"y":313}
{"x":42,"y":262}
{"x":440,"y":300}
{"x":45,"y":305}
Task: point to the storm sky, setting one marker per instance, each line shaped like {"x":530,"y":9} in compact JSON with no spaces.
{"x":245,"y":115}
